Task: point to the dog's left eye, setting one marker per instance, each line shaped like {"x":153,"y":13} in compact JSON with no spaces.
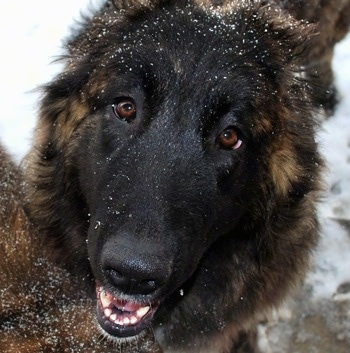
{"x":229,"y":139}
{"x":125,"y":110}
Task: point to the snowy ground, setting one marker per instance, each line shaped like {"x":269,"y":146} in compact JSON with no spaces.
{"x":317,"y":322}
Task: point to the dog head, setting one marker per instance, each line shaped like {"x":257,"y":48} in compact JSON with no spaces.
{"x":173,"y":128}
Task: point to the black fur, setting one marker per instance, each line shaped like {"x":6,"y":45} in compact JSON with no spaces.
{"x":175,"y":212}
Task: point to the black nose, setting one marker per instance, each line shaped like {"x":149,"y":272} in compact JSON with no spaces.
{"x":133,"y":271}
{"x":129,"y":281}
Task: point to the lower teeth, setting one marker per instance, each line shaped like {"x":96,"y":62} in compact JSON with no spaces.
{"x":119,"y":316}
{"x":126,"y":321}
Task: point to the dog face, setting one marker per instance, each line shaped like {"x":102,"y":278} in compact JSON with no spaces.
{"x":170,"y":166}
{"x":182,"y":131}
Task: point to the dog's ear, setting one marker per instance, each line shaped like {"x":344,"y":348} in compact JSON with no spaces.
{"x":128,"y":4}
{"x":140,"y":4}
{"x":293,"y":37}
{"x":132,"y":4}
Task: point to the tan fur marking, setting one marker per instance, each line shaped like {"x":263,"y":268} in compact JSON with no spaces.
{"x":283,"y":166}
{"x":69,"y":120}
{"x":263,"y":126}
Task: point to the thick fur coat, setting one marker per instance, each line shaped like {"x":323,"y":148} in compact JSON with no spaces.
{"x":43,"y":308}
{"x":174,"y":168}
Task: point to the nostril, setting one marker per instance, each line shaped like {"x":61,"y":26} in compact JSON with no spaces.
{"x":134,"y":269}
{"x":131,"y":281}
{"x":114,"y":275}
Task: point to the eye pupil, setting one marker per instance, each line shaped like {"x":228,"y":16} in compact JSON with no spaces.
{"x":229,"y":135}
{"x":125,"y":110}
{"x":229,"y":139}
{"x":126,"y":107}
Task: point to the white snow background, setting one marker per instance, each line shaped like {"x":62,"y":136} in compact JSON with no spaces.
{"x":31,"y":34}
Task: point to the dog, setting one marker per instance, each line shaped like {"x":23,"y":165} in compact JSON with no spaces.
{"x":43,"y":308}
{"x":174,"y":168}
{"x":332,"y":19}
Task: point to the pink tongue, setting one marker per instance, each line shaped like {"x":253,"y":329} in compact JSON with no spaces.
{"x":121,"y":312}
{"x":109,"y":301}
{"x":125,"y":306}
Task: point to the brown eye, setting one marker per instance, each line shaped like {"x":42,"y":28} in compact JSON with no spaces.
{"x":229,"y":139}
{"x":125,"y":110}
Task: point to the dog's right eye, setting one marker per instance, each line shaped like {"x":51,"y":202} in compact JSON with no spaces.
{"x":125,"y":110}
{"x":229,"y":139}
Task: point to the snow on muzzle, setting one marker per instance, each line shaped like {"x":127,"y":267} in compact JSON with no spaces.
{"x":122,"y":318}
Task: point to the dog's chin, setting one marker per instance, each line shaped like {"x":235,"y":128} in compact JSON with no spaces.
{"x":121,"y":318}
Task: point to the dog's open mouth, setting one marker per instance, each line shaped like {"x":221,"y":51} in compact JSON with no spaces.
{"x":122,"y":318}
